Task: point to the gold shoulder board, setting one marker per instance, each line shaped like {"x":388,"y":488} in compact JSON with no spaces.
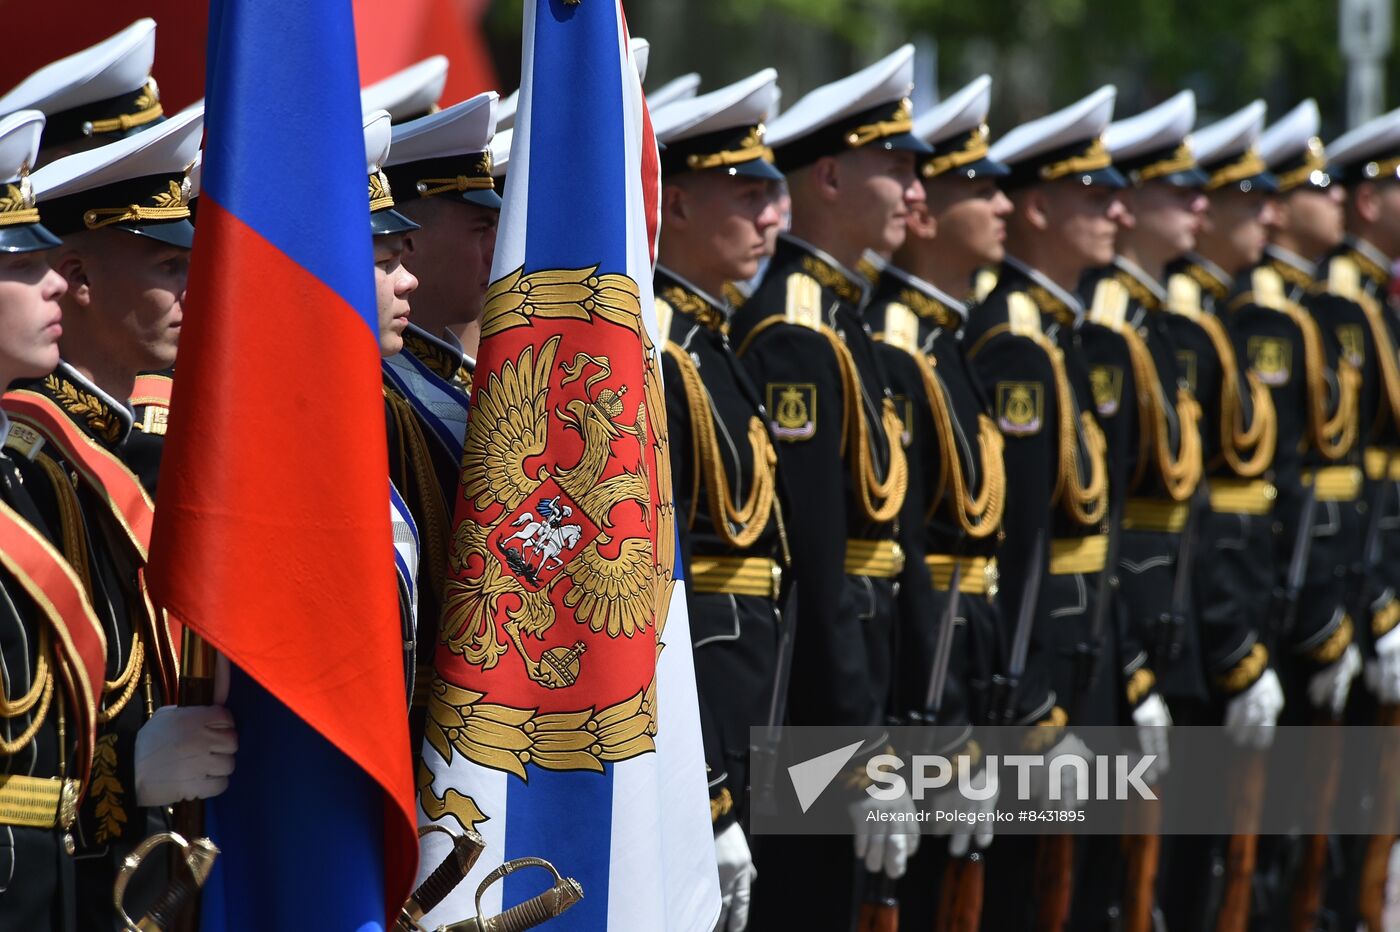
{"x":1110,"y":307}
{"x":983,"y":283}
{"x":1184,"y":295}
{"x":1022,"y":315}
{"x":804,"y":301}
{"x":901,"y":327}
{"x":1267,"y":286}
{"x":664,"y":313}
{"x":1344,"y":277}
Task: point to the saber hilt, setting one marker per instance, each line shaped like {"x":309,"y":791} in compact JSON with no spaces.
{"x":197,"y":856}
{"x":535,"y":911}
{"x":460,"y":859}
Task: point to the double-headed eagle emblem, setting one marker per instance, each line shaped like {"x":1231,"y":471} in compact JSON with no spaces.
{"x":566,"y":521}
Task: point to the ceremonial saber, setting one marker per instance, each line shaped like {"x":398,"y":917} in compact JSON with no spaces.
{"x":460,"y":859}
{"x":535,"y":911}
{"x":197,"y":857}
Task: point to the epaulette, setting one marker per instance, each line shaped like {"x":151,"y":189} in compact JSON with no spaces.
{"x":1110,"y":305}
{"x":1184,"y":295}
{"x":1207,"y":281}
{"x":804,"y":301}
{"x":983,"y":283}
{"x":1022,"y":315}
{"x":664,"y":313}
{"x":901,"y":327}
{"x":1344,"y":277}
{"x":1137,"y":290}
{"x":1266,"y":287}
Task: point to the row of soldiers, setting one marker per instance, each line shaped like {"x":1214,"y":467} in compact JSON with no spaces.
{"x":99,"y":190}
{"x":1131,"y":389}
{"x":1051,"y":370}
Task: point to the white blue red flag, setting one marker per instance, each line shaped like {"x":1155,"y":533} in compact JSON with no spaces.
{"x":562,"y":721}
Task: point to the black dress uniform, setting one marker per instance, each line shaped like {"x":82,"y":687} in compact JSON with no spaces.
{"x":952,"y":515}
{"x":140,"y":658}
{"x":802,"y":338}
{"x":1315,"y":389}
{"x":723,"y":470}
{"x":1238,"y":435}
{"x":47,"y":693}
{"x":1150,"y":420}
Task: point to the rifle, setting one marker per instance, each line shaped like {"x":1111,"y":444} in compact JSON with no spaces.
{"x":1142,"y":849}
{"x":763,"y":757}
{"x":1375,"y":866}
{"x":197,"y":860}
{"x":1242,"y":853}
{"x":1002,"y":705}
{"x":1086,"y":652}
{"x":879,"y":912}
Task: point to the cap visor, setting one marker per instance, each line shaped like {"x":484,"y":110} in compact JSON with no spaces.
{"x":906,"y":142}
{"x":984,"y":168}
{"x":175,"y":232}
{"x":384,"y":222}
{"x":1264,"y":183}
{"x":755,"y":168}
{"x":1191,"y":178}
{"x":487,"y":198}
{"x":1109,"y":177}
{"x":27,"y":237}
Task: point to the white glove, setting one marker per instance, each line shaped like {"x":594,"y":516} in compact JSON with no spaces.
{"x":1329,"y":686}
{"x":1152,"y":716}
{"x":1250,"y":717}
{"x":974,"y":830}
{"x":1383,"y":673}
{"x":1069,"y":800}
{"x":736,"y":877}
{"x":885,"y":844}
{"x":184,"y":753}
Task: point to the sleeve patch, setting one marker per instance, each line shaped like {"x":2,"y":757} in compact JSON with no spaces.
{"x":794,"y":409}
{"x":1020,"y":408}
{"x":1271,"y":358}
{"x":1107,"y":385}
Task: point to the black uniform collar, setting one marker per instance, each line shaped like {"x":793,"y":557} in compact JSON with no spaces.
{"x":1292,"y":267}
{"x":1144,"y":289}
{"x":849,"y":286}
{"x":1048,"y":296}
{"x":101,"y":416}
{"x":921,"y":297}
{"x":441,"y":357}
{"x":1214,"y":280}
{"x":691,"y":301}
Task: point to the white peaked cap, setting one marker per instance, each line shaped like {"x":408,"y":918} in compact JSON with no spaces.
{"x":743,"y":103}
{"x":409,"y":93}
{"x":957,"y":114}
{"x":1164,"y":126}
{"x":165,"y":148}
{"x":464,"y":127}
{"x":682,"y":88}
{"x":112,"y":67}
{"x":1081,"y":121}
{"x":889,"y":79}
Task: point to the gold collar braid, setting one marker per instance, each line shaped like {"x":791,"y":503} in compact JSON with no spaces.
{"x":738,"y":526}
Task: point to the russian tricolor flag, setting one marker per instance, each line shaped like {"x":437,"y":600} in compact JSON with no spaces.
{"x":272,"y":539}
{"x":563,"y":721}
